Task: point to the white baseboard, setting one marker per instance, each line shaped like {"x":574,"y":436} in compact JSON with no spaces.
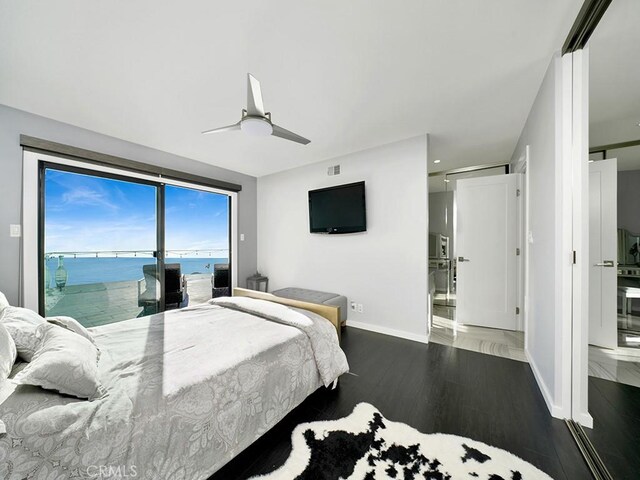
{"x":554,"y":409}
{"x":388,"y":331}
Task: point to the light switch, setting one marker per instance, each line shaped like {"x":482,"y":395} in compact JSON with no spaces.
{"x":15,"y":230}
{"x":242,"y":237}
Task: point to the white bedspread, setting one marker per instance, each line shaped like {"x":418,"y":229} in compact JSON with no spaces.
{"x":187,"y":391}
{"x":330,"y":359}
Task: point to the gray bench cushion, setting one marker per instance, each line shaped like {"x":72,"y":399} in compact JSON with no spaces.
{"x":315,"y":296}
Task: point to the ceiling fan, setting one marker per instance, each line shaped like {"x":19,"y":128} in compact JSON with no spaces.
{"x":255,"y":121}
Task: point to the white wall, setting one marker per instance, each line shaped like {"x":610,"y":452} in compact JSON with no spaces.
{"x":548,"y":307}
{"x":384,"y":268}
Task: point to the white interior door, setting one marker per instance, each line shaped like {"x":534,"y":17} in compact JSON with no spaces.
{"x":603,"y":253}
{"x":486,"y":236}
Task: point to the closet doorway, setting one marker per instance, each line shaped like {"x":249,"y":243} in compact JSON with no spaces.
{"x":475,"y":252}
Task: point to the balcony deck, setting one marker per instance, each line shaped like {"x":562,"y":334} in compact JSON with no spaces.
{"x":102,"y":303}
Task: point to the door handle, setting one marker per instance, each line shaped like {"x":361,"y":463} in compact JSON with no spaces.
{"x":605,"y":263}
{"x":462,"y":259}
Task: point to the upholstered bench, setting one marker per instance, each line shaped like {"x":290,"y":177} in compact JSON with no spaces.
{"x":315,"y":296}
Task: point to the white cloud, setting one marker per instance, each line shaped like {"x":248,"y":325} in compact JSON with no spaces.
{"x":131,"y":233}
{"x":84,"y":196}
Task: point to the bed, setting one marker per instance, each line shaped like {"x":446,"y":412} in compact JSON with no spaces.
{"x":187,"y":391}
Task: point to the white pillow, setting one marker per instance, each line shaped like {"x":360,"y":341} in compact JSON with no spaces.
{"x":8,"y":356}
{"x":4,"y":303}
{"x":65,"y":362}
{"x":8,"y":353}
{"x":21,"y":323}
{"x":71,"y":324}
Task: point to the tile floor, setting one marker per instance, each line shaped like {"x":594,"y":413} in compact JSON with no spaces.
{"x":629,"y":331}
{"x":620,"y":365}
{"x":492,"y":341}
{"x":623,"y":363}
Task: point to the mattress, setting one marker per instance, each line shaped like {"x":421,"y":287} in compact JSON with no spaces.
{"x":187,"y":391}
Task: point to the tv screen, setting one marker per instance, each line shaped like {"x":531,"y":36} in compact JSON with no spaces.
{"x":338,"y":209}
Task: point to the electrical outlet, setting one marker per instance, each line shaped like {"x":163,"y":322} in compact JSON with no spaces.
{"x":360,"y":308}
{"x":354,"y":306}
{"x":242,"y":237}
{"x":15,"y":230}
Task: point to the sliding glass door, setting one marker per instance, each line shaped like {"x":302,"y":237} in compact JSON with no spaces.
{"x":197,"y":241}
{"x":100,"y":240}
{"x":114,"y":247}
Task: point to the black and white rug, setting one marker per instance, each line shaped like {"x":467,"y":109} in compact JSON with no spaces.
{"x":367,"y":446}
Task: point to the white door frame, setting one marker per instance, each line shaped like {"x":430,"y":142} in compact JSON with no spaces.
{"x":580,"y":226}
{"x":523,"y":220}
{"x":30,"y":209}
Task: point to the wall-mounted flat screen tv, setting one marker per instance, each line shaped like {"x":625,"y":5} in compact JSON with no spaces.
{"x":339,"y":209}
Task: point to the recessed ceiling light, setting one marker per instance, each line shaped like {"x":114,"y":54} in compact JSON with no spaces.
{"x":446,"y":180}
{"x":436,"y":161}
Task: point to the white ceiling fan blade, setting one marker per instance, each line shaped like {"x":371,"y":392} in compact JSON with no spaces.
{"x":287,"y":135}
{"x":254,"y":97}
{"x":235,"y":126}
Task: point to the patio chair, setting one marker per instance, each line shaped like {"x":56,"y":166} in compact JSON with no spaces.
{"x":175,"y":288}
{"x":220,"y":280}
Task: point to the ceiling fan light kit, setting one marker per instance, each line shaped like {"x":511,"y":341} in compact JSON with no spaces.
{"x":256,"y":126}
{"x":255,"y":121}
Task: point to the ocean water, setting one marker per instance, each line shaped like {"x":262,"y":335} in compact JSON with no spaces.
{"x":109,"y":269}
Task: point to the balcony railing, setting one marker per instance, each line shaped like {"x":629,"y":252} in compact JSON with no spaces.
{"x":177,"y":253}
{"x":100,"y":287}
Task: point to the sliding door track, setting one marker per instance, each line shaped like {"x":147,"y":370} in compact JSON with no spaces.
{"x":588,"y":451}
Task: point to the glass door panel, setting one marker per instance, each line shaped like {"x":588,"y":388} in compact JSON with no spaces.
{"x":197,"y":239}
{"x":99,"y":240}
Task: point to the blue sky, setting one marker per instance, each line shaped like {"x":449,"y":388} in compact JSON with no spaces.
{"x":85,"y":213}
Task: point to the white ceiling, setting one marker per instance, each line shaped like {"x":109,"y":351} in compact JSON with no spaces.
{"x":348,"y":75}
{"x":614,"y":76}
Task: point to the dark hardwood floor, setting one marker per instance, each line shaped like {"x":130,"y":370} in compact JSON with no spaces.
{"x":615,"y":408}
{"x":433,"y":388}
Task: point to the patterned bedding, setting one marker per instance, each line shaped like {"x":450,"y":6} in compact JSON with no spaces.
{"x":187,"y":391}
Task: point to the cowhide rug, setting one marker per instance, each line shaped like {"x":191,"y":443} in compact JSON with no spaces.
{"x":367,"y":446}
